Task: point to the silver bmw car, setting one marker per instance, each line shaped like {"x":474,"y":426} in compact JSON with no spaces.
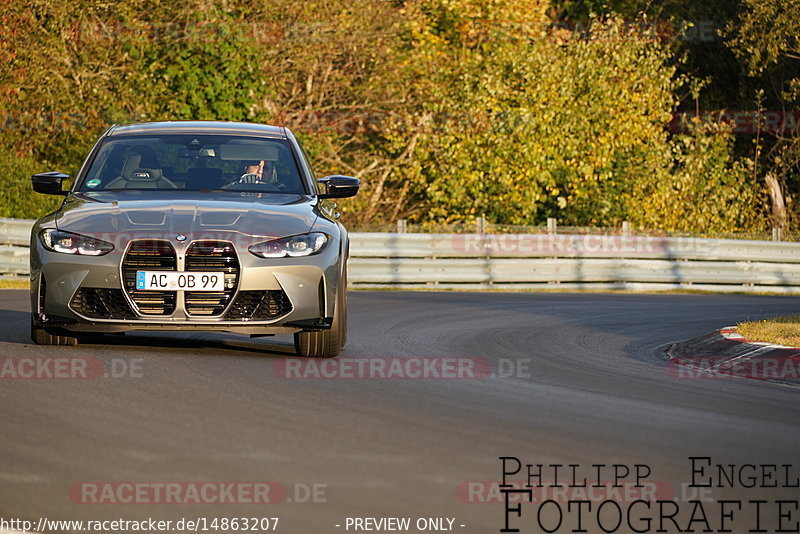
{"x":193,"y":226}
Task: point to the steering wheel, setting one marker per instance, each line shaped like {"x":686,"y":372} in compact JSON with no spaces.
{"x":249,"y":178}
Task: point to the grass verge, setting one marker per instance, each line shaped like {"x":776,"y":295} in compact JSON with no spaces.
{"x":780,"y":330}
{"x":15,"y":283}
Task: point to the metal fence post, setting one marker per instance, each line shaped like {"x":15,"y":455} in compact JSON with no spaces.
{"x":626,"y":228}
{"x":402,"y":226}
{"x":551,"y":225}
{"x":480,"y":225}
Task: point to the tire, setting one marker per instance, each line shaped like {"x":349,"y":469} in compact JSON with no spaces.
{"x":40,"y":336}
{"x":343,"y":304}
{"x":326,"y":343}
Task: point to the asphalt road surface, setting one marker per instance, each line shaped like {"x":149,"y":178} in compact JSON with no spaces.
{"x":589,"y":385}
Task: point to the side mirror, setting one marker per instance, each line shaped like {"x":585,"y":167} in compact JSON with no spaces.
{"x":49,"y":183}
{"x":337,"y":186}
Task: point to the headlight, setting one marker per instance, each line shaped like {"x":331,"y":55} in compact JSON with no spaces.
{"x":294,"y":246}
{"x":69,"y":243}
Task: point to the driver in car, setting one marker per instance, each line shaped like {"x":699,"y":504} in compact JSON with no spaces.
{"x":259,"y":172}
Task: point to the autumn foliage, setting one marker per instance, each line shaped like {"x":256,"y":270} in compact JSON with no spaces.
{"x":446,"y":109}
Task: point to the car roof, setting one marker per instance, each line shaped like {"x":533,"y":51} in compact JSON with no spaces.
{"x":198,"y":128}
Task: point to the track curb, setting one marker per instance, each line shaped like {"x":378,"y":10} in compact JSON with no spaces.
{"x":726,"y":353}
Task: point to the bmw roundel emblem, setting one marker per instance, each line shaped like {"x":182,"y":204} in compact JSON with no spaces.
{"x":180,"y":237}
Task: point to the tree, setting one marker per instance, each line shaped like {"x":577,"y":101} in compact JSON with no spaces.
{"x":521,"y":126}
{"x":766,"y":38}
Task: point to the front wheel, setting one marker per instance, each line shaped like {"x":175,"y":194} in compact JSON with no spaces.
{"x":40,"y":336}
{"x":326,"y":343}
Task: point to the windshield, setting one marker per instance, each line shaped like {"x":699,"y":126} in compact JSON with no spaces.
{"x":194,"y":163}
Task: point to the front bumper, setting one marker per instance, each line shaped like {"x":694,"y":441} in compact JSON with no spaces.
{"x":269,"y":296}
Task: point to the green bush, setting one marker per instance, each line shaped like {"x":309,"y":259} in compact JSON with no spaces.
{"x":18,"y":199}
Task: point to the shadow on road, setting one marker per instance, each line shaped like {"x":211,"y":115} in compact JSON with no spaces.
{"x":14,"y":328}
{"x":203,"y":344}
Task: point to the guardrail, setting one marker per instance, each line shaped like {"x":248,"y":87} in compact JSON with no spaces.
{"x":565,"y":262}
{"x":537,"y":261}
{"x":15,"y":231}
{"x":14,"y":242}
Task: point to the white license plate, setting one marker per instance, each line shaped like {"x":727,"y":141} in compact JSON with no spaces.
{"x":175,"y":280}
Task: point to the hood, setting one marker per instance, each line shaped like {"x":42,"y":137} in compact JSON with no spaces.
{"x":190,"y":213}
